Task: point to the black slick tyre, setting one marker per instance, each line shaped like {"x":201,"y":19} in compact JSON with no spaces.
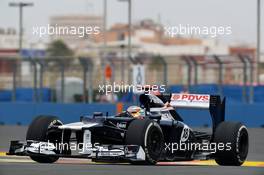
{"x":147,"y":134}
{"x":235,"y":135}
{"x":38,"y":131}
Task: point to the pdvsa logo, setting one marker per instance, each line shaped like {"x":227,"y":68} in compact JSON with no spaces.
{"x":190,"y":97}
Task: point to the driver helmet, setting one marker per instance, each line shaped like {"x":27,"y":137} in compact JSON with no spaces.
{"x":136,"y":111}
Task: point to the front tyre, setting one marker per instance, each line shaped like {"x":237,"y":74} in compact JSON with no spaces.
{"x":147,"y":134}
{"x":236,"y":135}
{"x":38,"y":131}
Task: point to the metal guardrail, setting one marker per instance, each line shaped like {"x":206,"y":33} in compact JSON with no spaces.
{"x":40,"y":65}
{"x":42,"y":62}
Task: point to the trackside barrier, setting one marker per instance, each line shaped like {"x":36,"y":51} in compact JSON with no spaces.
{"x":23,"y":113}
{"x":12,"y":113}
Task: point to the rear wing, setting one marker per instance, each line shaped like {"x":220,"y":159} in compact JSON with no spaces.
{"x":213,"y":103}
{"x":200,"y":101}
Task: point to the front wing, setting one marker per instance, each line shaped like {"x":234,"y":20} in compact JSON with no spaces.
{"x":97,"y":153}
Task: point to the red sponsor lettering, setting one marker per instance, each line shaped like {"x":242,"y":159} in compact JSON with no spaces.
{"x":190,"y":97}
{"x":185,"y":97}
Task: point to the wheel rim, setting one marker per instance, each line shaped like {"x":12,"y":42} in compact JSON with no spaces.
{"x":55,"y":136}
{"x":154,"y":142}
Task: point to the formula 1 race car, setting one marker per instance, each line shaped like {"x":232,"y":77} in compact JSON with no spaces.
{"x":156,"y":134}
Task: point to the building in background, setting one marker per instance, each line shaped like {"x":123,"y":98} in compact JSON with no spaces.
{"x":9,"y":48}
{"x":148,"y":40}
{"x":9,"y":39}
{"x":149,"y":37}
{"x":76,"y":42}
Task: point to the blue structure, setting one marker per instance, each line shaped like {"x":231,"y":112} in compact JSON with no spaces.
{"x":25,"y":95}
{"x":23,"y":113}
{"x":24,"y":109}
{"x":33,"y":53}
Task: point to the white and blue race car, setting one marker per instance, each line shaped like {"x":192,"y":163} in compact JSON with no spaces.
{"x":156,"y":134}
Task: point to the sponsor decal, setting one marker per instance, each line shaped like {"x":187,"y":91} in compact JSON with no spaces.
{"x":185,"y":133}
{"x":121,"y":125}
{"x":190,"y":100}
{"x":191,"y":97}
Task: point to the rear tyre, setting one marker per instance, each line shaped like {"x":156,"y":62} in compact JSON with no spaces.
{"x":38,"y":131}
{"x":236,"y":135}
{"x":147,"y":134}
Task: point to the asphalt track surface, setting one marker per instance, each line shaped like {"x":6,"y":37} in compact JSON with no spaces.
{"x":13,"y":165}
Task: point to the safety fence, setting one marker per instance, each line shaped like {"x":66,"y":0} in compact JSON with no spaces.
{"x":76,"y":79}
{"x":233,"y":93}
